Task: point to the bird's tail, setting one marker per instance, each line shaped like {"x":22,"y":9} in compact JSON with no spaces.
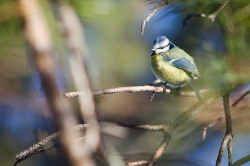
{"x":197,"y":92}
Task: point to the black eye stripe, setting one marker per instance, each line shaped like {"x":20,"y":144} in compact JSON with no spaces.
{"x":163,"y":47}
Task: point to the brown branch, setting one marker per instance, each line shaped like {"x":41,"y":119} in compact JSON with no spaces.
{"x":136,"y":163}
{"x":230,"y":152}
{"x":224,"y":143}
{"x":36,"y":148}
{"x":165,"y":129}
{"x":152,"y":128}
{"x":72,"y":31}
{"x":227,"y":141}
{"x":151,"y":15}
{"x":132,"y":89}
{"x":214,"y":15}
{"x":39,"y":38}
{"x":151,"y":97}
{"x":223,"y":116}
{"x":210,"y":16}
{"x":160,"y":150}
{"x":33,"y":153}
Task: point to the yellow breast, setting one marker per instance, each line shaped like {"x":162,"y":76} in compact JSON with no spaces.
{"x":164,"y":71}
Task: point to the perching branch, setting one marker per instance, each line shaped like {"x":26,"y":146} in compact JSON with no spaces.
{"x":165,"y":129}
{"x":132,"y":89}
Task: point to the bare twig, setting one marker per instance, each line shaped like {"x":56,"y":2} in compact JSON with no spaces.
{"x":166,"y":129}
{"x":160,"y":150}
{"x":132,"y":89}
{"x":37,"y":147}
{"x":240,"y":98}
{"x":214,"y":15}
{"x":223,"y":116}
{"x":33,"y":153}
{"x":242,"y":161}
{"x":151,"y":15}
{"x":230,"y":152}
{"x":224,"y":143}
{"x":210,"y":16}
{"x":152,"y":128}
{"x":152,"y":96}
{"x":227,"y":141}
{"x":136,"y":163}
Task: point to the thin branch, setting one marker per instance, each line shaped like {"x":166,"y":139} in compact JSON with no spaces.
{"x":136,"y":163}
{"x":166,"y":129}
{"x":230,"y":152}
{"x":33,"y":153}
{"x":152,"y":128}
{"x":36,"y":147}
{"x":223,"y":116}
{"x":132,"y":89}
{"x":240,"y":98}
{"x":210,"y":16}
{"x":214,"y":15}
{"x":227,"y":141}
{"x":242,"y":161}
{"x":151,"y":15}
{"x":151,"y":97}
{"x":224,"y":143}
{"x":160,"y":150}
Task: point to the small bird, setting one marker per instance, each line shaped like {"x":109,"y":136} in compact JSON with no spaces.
{"x":173,"y":66}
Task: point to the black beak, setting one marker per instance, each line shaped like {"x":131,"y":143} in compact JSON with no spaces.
{"x":153,"y":52}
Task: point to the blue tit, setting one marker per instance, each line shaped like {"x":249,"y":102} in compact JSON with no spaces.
{"x":173,"y":66}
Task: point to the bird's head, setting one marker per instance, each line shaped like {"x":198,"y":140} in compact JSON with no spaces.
{"x":161,"y":44}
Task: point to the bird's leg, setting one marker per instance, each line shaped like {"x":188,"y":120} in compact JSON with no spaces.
{"x":164,"y":87}
{"x":176,"y":92}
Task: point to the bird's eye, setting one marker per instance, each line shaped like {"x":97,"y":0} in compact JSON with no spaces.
{"x":161,"y":47}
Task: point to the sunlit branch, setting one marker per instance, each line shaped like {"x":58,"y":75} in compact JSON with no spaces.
{"x":133,"y":89}
{"x":136,"y":163}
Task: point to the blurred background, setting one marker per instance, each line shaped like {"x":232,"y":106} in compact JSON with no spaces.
{"x":118,"y":56}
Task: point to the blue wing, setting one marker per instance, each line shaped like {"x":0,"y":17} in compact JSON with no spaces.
{"x":185,"y":64}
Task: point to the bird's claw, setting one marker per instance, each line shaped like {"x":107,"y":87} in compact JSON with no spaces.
{"x":164,"y":88}
{"x":176,"y":93}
